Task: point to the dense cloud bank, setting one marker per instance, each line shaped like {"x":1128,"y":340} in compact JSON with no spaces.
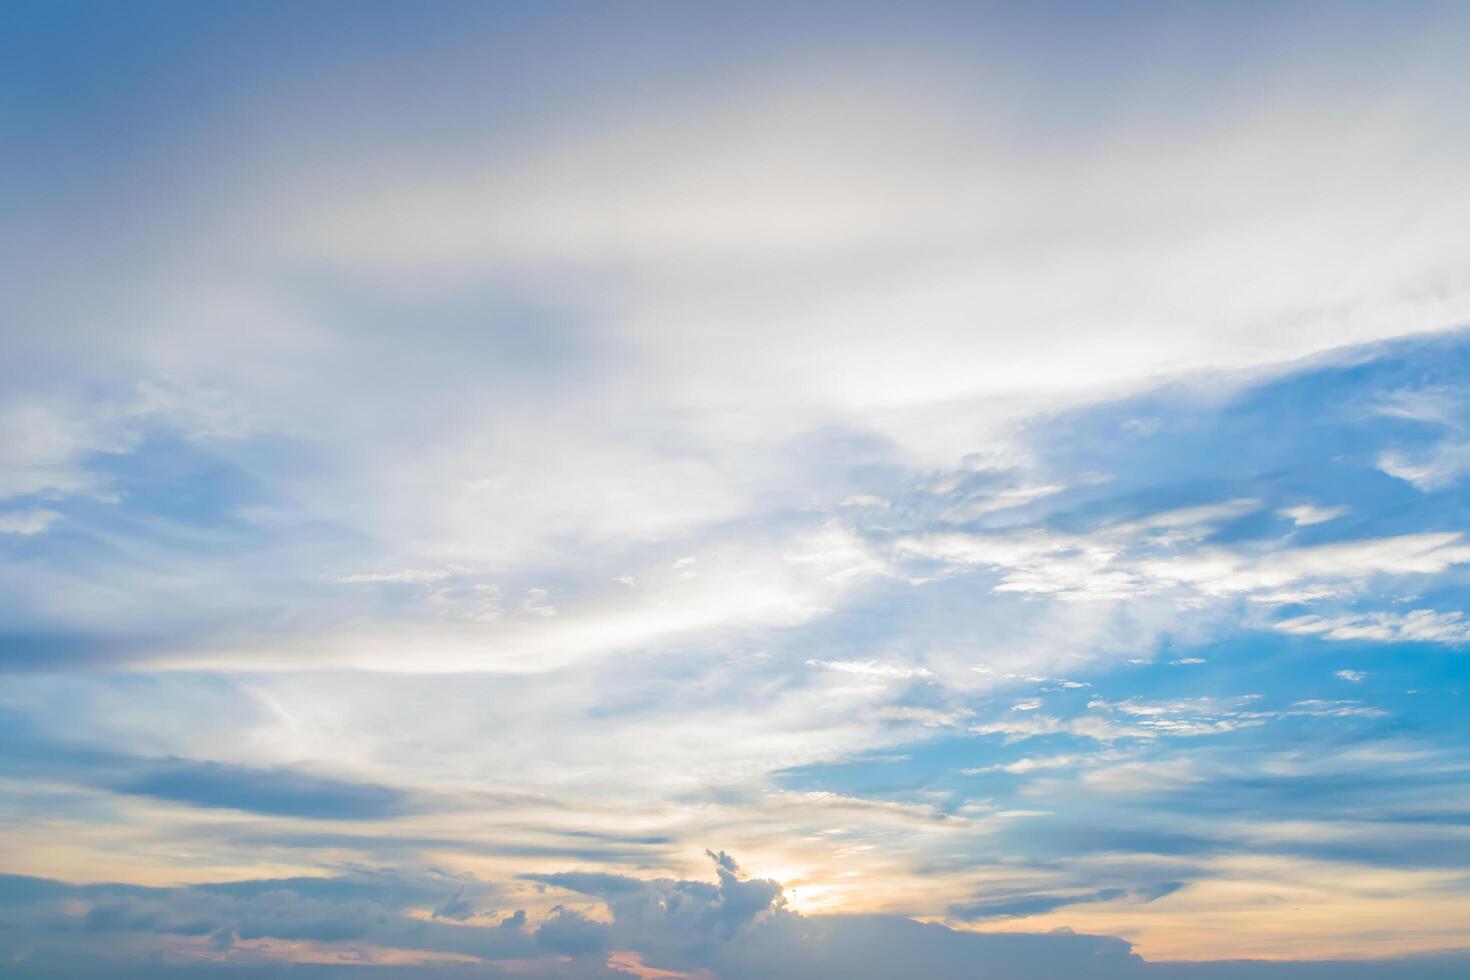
{"x":380,"y":926}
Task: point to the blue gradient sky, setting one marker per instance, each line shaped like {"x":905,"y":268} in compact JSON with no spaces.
{"x":734,"y":491}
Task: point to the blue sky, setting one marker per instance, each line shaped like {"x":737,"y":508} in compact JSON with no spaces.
{"x":734,"y":491}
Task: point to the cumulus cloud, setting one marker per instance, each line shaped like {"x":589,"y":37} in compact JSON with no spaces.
{"x":367,"y":909}
{"x":570,"y":933}
{"x":735,"y":929}
{"x":682,"y":914}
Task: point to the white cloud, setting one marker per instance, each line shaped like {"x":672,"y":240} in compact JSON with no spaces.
{"x":1143,"y":777}
{"x":872,"y":668}
{"x":1420,"y":625}
{"x":1448,"y":460}
{"x":1305,"y":515}
{"x":44,"y":444}
{"x":929,"y":717}
{"x":997,"y":501}
{"x":1317,"y":708}
{"x":701,"y":304}
{"x":535,"y":603}
{"x":1440,"y":467}
{"x":1351,"y":676}
{"x":1185,"y":717}
{"x":27,"y":522}
{"x":1157,"y":554}
{"x":1022,"y":766}
{"x":864,"y":500}
{"x":1293,"y":598}
{"x":745,"y":583}
{"x":1109,"y":721}
{"x":1222,"y":572}
{"x":406,"y":576}
{"x":808,"y":222}
{"x":50,"y":439}
{"x":1439,"y":404}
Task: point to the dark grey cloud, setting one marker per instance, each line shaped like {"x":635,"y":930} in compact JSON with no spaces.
{"x":570,"y":933}
{"x":689,"y":915}
{"x":275,"y":791}
{"x":736,"y":928}
{"x":457,"y":908}
{"x":1024,"y":905}
{"x":39,"y":914}
{"x":278,"y":792}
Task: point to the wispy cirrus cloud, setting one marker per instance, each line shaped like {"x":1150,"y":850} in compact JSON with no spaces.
{"x":1416,"y":626}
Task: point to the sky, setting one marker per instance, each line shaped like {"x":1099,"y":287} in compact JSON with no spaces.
{"x":754,"y":491}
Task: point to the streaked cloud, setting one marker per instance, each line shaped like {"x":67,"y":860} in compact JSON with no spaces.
{"x":1419,"y":625}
